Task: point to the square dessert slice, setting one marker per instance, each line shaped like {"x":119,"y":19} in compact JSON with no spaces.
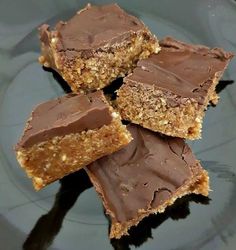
{"x":169,"y":91}
{"x":145,"y":177}
{"x":65,"y":134}
{"x":97,"y":45}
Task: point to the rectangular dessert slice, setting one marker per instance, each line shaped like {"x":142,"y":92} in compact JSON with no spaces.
{"x":145,"y":177}
{"x":65,"y":134}
{"x":169,"y":91}
{"x":97,"y":45}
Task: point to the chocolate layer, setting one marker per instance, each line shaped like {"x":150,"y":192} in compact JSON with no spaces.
{"x":93,"y":28}
{"x":68,"y":114}
{"x":144,"y":174}
{"x":181,"y":69}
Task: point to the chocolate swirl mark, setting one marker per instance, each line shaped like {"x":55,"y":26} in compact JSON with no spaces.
{"x":159,"y":196}
{"x":140,"y":150}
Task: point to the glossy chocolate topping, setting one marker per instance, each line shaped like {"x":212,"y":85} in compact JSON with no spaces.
{"x":182,"y":69}
{"x":68,"y":114}
{"x":94,"y":27}
{"x":142,"y":175}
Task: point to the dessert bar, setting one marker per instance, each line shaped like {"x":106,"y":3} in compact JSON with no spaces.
{"x":97,"y":45}
{"x":145,"y":177}
{"x":169,"y":91}
{"x":65,"y":134}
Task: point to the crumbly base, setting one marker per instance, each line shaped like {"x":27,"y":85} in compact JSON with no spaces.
{"x":199,"y":184}
{"x":86,"y":73}
{"x":151,"y":108}
{"x":148,"y":107}
{"x":213,"y":98}
{"x":48,"y":161}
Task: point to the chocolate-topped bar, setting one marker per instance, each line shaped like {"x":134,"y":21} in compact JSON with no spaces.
{"x":97,"y":45}
{"x":145,"y":177}
{"x":66,"y":134}
{"x":168,"y":92}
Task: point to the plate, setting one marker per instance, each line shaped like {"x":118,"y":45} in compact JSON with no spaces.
{"x":68,"y":214}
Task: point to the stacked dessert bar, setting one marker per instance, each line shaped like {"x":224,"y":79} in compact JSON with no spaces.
{"x":137,"y":169}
